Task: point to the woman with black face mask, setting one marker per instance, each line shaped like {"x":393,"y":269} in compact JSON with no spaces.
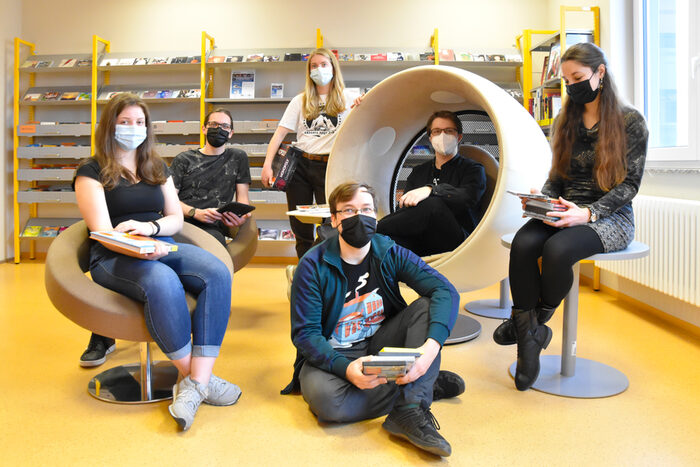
{"x":599,"y":148}
{"x":209,"y":177}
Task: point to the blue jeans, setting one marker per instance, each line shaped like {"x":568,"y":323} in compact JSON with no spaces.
{"x":161,"y":286}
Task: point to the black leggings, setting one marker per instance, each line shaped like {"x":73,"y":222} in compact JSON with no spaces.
{"x":560,"y":250}
{"x":307,"y":185}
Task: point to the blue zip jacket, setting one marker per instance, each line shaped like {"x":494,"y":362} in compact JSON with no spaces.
{"x":318,"y":295}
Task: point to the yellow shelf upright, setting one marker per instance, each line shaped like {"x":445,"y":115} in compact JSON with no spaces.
{"x":526,"y":52}
{"x":203,"y":81}
{"x":434,"y":45}
{"x":319,"y":38}
{"x":15,"y":124}
{"x":96,"y":40}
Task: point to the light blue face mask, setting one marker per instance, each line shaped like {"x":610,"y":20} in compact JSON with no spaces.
{"x":130,"y":137}
{"x":321,"y":75}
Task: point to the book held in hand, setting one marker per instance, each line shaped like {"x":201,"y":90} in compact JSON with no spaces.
{"x":284,"y":164}
{"x":139,"y":244}
{"x":389,"y":367}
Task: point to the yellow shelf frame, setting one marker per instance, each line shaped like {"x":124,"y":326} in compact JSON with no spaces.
{"x":96,"y":41}
{"x":526,"y":39}
{"x":19,"y":43}
{"x":203,"y":81}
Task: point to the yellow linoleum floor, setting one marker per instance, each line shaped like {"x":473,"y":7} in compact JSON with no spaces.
{"x":47,"y":417}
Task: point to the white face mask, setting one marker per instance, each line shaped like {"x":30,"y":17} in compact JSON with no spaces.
{"x":130,"y":137}
{"x":444,"y":144}
{"x":321,"y":75}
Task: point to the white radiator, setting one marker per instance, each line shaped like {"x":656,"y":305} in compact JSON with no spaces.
{"x":671,"y":228}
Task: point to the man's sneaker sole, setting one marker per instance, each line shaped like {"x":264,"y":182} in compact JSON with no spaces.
{"x":396,"y":430}
{"x":100,"y":361}
{"x":180,"y":421}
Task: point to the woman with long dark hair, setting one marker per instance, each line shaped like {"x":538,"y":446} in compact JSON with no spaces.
{"x":126,"y":187}
{"x":599,"y":148}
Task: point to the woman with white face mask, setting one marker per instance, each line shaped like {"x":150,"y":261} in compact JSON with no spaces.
{"x":126,"y":187}
{"x":315,"y":115}
{"x":439,"y":207}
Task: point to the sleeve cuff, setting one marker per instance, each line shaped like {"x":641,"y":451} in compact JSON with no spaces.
{"x":340,"y":366}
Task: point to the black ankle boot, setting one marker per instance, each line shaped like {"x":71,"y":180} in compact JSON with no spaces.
{"x":532,"y":338}
{"x":505,"y":333}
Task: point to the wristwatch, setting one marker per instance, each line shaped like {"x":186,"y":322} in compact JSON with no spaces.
{"x":594,"y":215}
{"x":191,"y":212}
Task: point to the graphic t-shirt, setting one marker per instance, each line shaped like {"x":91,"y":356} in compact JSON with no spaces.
{"x":209,"y":181}
{"x":314,"y":136}
{"x":363,"y":312}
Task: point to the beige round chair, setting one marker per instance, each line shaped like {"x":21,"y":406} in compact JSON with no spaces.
{"x":109,"y":313}
{"x":244,"y":244}
{"x":372,"y":140}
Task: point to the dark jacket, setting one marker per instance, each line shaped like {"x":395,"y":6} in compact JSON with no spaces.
{"x":462,"y":185}
{"x":318,"y":295}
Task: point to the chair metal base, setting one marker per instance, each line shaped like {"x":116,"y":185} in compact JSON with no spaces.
{"x":591,"y":380}
{"x":465,"y":329}
{"x":489,"y":308}
{"x":493,"y":308}
{"x":122,"y":384}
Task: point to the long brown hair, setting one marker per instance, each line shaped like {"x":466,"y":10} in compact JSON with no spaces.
{"x":149,"y":166}
{"x":610,"y":162}
{"x":335,"y":102}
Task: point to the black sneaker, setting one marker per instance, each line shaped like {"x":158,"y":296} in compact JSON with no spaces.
{"x":447,"y":385}
{"x":97,"y":350}
{"x":418,"y":426}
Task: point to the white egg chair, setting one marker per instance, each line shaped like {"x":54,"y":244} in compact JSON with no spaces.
{"x":372,"y":140}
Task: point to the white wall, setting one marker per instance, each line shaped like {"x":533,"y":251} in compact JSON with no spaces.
{"x":177,"y":24}
{"x":10,"y":22}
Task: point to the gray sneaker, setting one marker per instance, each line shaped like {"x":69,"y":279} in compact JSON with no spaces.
{"x":221,"y":392}
{"x":187,"y":395}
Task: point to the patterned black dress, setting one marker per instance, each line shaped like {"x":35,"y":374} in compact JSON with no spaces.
{"x":615,"y":224}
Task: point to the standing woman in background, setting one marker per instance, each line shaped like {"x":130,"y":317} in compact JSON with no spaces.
{"x":599,"y":149}
{"x":126,"y":187}
{"x":315,"y":115}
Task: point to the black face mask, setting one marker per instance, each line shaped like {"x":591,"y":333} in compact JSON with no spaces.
{"x":358,"y":230}
{"x":217,"y":137}
{"x":581,"y":92}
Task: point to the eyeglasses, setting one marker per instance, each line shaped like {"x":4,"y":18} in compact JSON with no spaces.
{"x":223,"y":126}
{"x":347,"y":212}
{"x":447,"y":131}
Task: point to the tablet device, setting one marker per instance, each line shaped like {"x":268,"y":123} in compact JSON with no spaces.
{"x":238,"y":209}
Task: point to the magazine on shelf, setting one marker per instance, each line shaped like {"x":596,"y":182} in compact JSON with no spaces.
{"x":234,"y":59}
{"x":277,"y":90}
{"x":242,"y":85}
{"x":67,"y":63}
{"x":84,"y":62}
{"x":216,"y":59}
{"x":141,"y":61}
{"x":31,"y":231}
{"x":33,"y":96}
{"x":292,"y":57}
{"x":44,"y":63}
{"x":553,"y":64}
{"x":394,"y":56}
{"x":378,"y":57}
{"x":267,"y":234}
{"x":69,"y":96}
{"x":50,"y":96}
{"x":447,"y":55}
{"x":50,"y":231}
{"x":129,"y":242}
{"x":29,"y":64}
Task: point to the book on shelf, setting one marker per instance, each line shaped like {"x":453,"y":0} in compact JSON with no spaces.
{"x":67,"y":63}
{"x":149,"y":94}
{"x":126,"y":61}
{"x":217,"y":59}
{"x":178,"y":60}
{"x":138,"y":244}
{"x":378,"y":57}
{"x":277,"y":90}
{"x":287,"y":234}
{"x":158,"y":60}
{"x":141,"y":61}
{"x":32,"y":96}
{"x":495,"y":58}
{"x":268,"y":234}
{"x":254,"y":58}
{"x":49,"y":231}
{"x":44,"y":63}
{"x":394,"y":56}
{"x":362,"y":57}
{"x":271,"y":58}
{"x":345,"y":57}
{"x":447,"y":55}
{"x":29,"y":64}
{"x":234,"y":59}
{"x":70,"y":96}
{"x":554,"y":62}
{"x":51,"y":96}
{"x":292,"y":57}
{"x":427,"y":56}
{"x":31,"y":231}
{"x":545,"y":62}
{"x":242,"y":85}
{"x":83,"y":62}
